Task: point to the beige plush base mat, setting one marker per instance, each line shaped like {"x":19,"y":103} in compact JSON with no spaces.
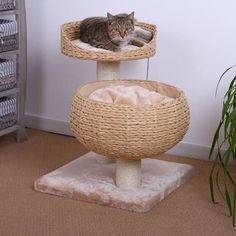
{"x":88,"y":180}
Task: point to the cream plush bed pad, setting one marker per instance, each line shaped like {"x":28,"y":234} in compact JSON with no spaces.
{"x":128,"y":95}
{"x":139,"y":33}
{"x":86,"y":46}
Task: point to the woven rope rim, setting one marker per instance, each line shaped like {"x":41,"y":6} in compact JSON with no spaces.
{"x":143,"y":83}
{"x":70,"y":32}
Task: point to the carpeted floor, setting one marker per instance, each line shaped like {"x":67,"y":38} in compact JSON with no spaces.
{"x":24,"y":212}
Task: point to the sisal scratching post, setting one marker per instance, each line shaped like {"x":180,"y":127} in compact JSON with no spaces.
{"x":128,"y":173}
{"x":108,"y":70}
{"x":104,"y":160}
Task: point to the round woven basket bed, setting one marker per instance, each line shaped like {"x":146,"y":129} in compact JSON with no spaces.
{"x":128,"y":131}
{"x":70,"y":31}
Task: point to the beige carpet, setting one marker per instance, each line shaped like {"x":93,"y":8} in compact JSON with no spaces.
{"x":24,"y":212}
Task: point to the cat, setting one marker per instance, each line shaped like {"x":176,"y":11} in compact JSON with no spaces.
{"x":110,"y":33}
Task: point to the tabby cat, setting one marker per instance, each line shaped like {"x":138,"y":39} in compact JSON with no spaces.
{"x":110,"y":33}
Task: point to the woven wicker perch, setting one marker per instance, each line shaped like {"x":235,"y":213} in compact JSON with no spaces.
{"x":70,"y":32}
{"x":125,"y":131}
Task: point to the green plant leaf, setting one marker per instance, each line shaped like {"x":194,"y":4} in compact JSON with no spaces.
{"x":226,"y":157}
{"x":227,"y":106}
{"x":227,"y":174}
{"x":217,"y":182}
{"x":223,"y":149}
{"x":228,"y":200}
{"x":211,"y":183}
{"x":212,"y":189}
{"x":222,"y":77}
{"x":231,"y":86}
{"x":234,"y":206}
{"x":215,"y":139}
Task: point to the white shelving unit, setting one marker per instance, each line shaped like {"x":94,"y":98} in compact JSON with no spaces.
{"x":20,"y":56}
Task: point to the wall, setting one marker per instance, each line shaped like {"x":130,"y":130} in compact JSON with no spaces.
{"x":196,"y":43}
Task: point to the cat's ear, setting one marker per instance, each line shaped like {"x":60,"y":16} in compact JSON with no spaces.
{"x":110,"y":17}
{"x":131,"y":16}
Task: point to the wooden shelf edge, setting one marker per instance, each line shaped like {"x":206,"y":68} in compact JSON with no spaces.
{"x":9,"y":12}
{"x":2,"y":54}
{"x":9,"y":130}
{"x":9,"y":92}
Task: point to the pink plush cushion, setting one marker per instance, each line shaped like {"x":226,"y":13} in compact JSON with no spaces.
{"x":128,"y":95}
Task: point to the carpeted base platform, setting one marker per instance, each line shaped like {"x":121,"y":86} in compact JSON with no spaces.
{"x":88,"y":180}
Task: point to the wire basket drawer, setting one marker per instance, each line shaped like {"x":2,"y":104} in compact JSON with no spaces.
{"x":8,"y":112}
{"x":8,"y":35}
{"x":6,"y":5}
{"x":7,"y":74}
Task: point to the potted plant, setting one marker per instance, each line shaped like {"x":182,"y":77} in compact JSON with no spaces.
{"x":223,"y":151}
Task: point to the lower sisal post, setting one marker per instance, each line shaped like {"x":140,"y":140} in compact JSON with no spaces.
{"x":128,"y":173}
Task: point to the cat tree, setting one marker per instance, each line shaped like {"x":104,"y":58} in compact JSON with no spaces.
{"x":125,"y":133}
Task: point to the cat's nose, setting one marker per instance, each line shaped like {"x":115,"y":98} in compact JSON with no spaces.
{"x":122,"y":35}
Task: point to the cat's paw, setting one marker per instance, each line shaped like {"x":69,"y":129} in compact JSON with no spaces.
{"x":111,"y":47}
{"x":116,"y":49}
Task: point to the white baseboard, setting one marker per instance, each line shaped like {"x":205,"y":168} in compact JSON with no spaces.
{"x":62,"y":127}
{"x":190,"y":150}
{"x":46,"y":124}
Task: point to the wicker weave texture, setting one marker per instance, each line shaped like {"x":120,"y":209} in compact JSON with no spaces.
{"x":70,"y":32}
{"x":7,"y":5}
{"x":9,"y":43}
{"x":8,"y":108}
{"x":129,"y":132}
{"x":7,"y":74}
